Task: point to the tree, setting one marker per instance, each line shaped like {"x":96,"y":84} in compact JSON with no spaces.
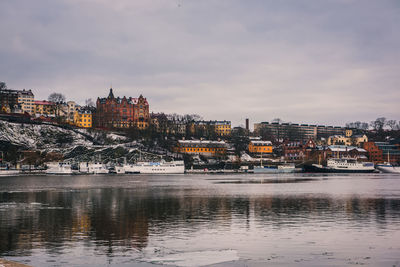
{"x":56,"y":98}
{"x":3,"y":86}
{"x":378,"y":124}
{"x":89,"y":102}
{"x":391,"y":124}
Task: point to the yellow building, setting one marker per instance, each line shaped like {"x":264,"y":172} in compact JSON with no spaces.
{"x":26,"y":100}
{"x":83,"y":118}
{"x":354,"y":140}
{"x":201,"y":147}
{"x":45,"y":108}
{"x":258,"y":146}
{"x":221,"y":128}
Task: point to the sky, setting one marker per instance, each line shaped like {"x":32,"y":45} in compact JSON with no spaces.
{"x":304,"y":61}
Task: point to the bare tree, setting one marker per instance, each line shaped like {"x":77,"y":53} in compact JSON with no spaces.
{"x":56,"y":98}
{"x":3,"y":86}
{"x":89,"y":102}
{"x":378,"y":124}
{"x":391,"y":124}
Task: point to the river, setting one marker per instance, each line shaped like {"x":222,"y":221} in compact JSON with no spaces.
{"x":201,"y":220}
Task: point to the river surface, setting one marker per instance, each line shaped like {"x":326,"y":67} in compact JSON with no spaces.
{"x":201,"y":220}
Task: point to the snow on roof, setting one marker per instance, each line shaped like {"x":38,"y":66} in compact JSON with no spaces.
{"x":261,"y":143}
{"x":339,"y":148}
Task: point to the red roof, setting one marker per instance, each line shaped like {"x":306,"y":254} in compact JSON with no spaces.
{"x":44,"y":102}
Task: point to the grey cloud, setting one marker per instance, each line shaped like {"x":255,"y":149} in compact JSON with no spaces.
{"x":305,"y":61}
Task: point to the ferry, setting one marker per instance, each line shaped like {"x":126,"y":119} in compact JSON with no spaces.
{"x":58,"y":168}
{"x":93,"y":168}
{"x":160,"y":167}
{"x":342,"y":165}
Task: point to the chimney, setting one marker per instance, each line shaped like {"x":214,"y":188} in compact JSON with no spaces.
{"x":247,"y":124}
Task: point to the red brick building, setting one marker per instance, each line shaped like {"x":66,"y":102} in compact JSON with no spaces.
{"x":116,"y":112}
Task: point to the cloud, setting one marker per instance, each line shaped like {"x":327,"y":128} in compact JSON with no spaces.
{"x":304,"y":61}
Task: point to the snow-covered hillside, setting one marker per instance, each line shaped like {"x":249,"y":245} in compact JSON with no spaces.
{"x":49,"y":137}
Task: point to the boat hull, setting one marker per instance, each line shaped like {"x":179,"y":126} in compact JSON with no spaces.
{"x":388,"y":169}
{"x":312,"y":168}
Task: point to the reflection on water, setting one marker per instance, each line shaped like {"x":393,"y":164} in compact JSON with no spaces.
{"x":200,"y":220}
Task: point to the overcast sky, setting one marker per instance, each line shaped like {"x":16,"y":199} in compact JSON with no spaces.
{"x":320,"y":62}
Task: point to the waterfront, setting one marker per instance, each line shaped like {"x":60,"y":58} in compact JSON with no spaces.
{"x":191,"y":220}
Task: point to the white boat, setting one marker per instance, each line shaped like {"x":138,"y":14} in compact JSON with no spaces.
{"x":126,"y":168}
{"x":284,"y":168}
{"x":160,"y":167}
{"x":388,"y":168}
{"x":93,"y":168}
{"x":58,"y":168}
{"x":6,"y":171}
{"x":342,"y":165}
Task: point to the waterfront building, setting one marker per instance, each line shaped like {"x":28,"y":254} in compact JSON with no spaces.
{"x":83,"y":118}
{"x":260,"y":147}
{"x":116,"y":112}
{"x":201,"y":147}
{"x":380,"y":152}
{"x":294,"y":131}
{"x":45,"y":108}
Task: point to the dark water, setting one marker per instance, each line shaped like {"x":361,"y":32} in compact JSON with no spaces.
{"x":198,"y":220}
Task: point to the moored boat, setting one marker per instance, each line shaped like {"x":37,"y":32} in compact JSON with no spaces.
{"x":58,"y":168}
{"x":388,"y":168}
{"x":284,"y":168}
{"x":342,"y":165}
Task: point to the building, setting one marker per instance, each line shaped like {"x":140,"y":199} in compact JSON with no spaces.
{"x":45,"y":108}
{"x":83,"y":118}
{"x":260,"y":147}
{"x":72,"y":108}
{"x":220,"y":128}
{"x":379,"y":152}
{"x":294,"y":131}
{"x":116,"y":112}
{"x":201,"y":147}
{"x":16,"y":101}
{"x":356,"y":140}
{"x":26,"y":101}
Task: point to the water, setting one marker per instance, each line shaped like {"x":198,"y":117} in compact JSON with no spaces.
{"x":201,"y":220}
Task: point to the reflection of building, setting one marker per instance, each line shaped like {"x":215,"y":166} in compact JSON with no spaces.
{"x":116,"y":112}
{"x":45,"y":108}
{"x":379,"y":152}
{"x":83,"y":118}
{"x":201,"y":147}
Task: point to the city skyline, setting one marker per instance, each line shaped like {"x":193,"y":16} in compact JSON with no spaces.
{"x":313,"y":62}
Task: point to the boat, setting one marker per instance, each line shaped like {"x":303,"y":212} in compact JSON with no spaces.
{"x":58,"y":168}
{"x":284,"y":168}
{"x":93,"y":168}
{"x":147,"y":167}
{"x":161,"y":167}
{"x":341,"y":165}
{"x":387,"y":167}
{"x":5,"y":170}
